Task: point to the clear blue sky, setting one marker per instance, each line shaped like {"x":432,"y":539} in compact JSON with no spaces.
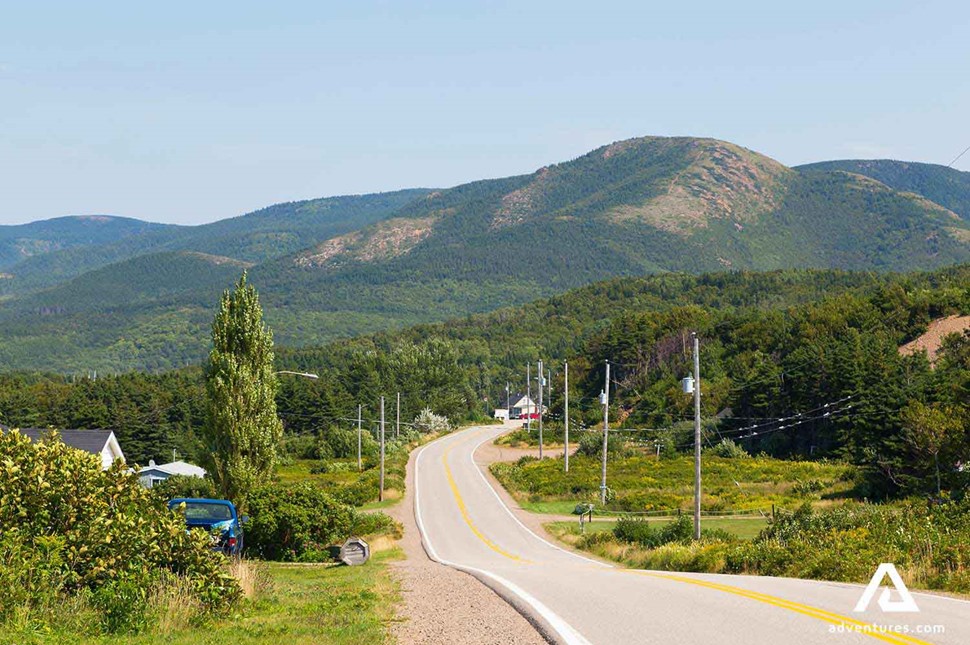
{"x":191,"y":112}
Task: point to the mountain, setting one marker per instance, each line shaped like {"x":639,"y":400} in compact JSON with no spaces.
{"x":256,"y":236}
{"x":635,"y":207}
{"x":631,"y":208}
{"x":22,"y":241}
{"x":946,"y":186}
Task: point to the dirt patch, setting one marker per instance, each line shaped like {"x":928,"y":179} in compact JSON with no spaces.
{"x":520,"y":204}
{"x":328,"y":250}
{"x":380,"y":242}
{"x":933,"y":338}
{"x":393,"y":238}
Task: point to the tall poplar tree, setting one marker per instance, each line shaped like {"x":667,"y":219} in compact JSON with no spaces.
{"x":242,"y":432}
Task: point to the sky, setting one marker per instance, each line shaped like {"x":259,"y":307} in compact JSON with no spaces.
{"x":192,"y":112}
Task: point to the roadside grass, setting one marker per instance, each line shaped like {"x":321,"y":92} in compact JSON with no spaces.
{"x":552,"y":437}
{"x":340,"y":476}
{"x":300,"y":604}
{"x":300,"y":470}
{"x":640,"y":482}
{"x":929,"y":544}
{"x":743,"y":528}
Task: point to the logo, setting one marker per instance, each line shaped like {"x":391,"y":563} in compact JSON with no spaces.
{"x":906,"y":603}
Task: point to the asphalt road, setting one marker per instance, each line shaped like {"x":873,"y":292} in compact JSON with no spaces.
{"x":572,"y":599}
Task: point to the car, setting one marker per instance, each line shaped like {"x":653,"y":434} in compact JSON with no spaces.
{"x":218,"y":517}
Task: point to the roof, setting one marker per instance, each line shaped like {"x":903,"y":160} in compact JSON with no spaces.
{"x":519,"y":398}
{"x":92,"y":441}
{"x":176,"y":468}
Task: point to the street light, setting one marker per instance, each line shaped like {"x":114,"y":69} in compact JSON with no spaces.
{"x":303,"y":374}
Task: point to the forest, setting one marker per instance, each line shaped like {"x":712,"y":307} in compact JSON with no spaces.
{"x":819,"y":348}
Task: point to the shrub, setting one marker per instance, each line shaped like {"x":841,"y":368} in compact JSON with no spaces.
{"x":340,"y":443}
{"x":636,"y":531}
{"x":591,"y":445}
{"x":94,"y":530}
{"x":807,"y":487}
{"x":375,"y":524}
{"x":366,"y":488}
{"x":184,"y":486}
{"x":639,"y":531}
{"x":729,"y":450}
{"x":31,"y":577}
{"x":300,"y":446}
{"x":680,"y":530}
{"x":296,"y":522}
{"x":427,"y":421}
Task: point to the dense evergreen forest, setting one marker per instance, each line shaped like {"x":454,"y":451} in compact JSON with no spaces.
{"x":774,"y":345}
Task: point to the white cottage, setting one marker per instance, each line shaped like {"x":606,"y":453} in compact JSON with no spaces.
{"x":523,"y":407}
{"x":154,"y":473}
{"x":99,"y":442}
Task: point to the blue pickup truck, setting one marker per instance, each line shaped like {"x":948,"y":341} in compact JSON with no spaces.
{"x":218,"y":517}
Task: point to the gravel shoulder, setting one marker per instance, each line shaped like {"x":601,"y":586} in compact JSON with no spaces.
{"x":445,"y":606}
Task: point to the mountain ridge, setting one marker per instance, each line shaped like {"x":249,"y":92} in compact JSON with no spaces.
{"x":629,"y":208}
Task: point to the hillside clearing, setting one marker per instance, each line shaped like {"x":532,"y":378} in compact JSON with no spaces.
{"x":933,"y":338}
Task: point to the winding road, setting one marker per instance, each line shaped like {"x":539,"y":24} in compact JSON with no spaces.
{"x":465,"y":523}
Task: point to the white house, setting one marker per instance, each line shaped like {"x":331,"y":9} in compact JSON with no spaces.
{"x":99,"y":442}
{"x":523,"y":407}
{"x":154,"y":473}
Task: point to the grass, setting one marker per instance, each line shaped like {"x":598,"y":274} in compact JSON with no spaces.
{"x":641,"y":482}
{"x":928,"y":544}
{"x":302,"y":604}
{"x":299,"y":471}
{"x":743,"y":528}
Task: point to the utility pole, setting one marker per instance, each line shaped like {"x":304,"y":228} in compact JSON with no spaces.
{"x":380,"y":496}
{"x":541,"y":388}
{"x":528,"y":395}
{"x":606,"y":431}
{"x":565,"y":388}
{"x":360,"y":465}
{"x":697,"y":437}
{"x":508,"y":400}
{"x":549,"y":384}
{"x":397,"y":427}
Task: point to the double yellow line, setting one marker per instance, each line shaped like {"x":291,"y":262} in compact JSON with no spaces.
{"x":468,"y":520}
{"x":807,"y":610}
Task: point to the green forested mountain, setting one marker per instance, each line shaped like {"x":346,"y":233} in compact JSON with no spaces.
{"x":945,"y":186}
{"x":635,"y":207}
{"x":257,"y":236}
{"x":23,"y":241}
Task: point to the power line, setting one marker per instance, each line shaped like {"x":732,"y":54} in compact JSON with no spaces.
{"x":950,"y":165}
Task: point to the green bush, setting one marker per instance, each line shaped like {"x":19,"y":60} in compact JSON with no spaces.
{"x":67,"y":526}
{"x":591,"y":444}
{"x":300,"y":446}
{"x":296,"y":522}
{"x":32,"y":577}
{"x":427,"y":421}
{"x":727,"y":449}
{"x":374,"y":524}
{"x":185,"y":486}
{"x":636,"y":531}
{"x":639,"y":531}
{"x":808,"y":487}
{"x":122,"y":604}
{"x":340,"y":443}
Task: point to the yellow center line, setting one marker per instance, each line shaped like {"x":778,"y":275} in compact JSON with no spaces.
{"x":807,"y":610}
{"x":467,"y":518}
